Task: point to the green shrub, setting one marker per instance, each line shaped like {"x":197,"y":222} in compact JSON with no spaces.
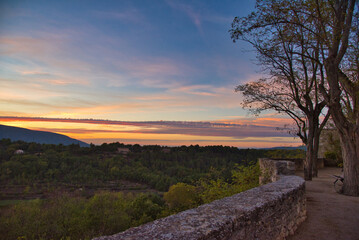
{"x":184,"y":196}
{"x":181,"y":196}
{"x":78,"y":218}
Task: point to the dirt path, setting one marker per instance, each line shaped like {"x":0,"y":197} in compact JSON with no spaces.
{"x":329,"y":215}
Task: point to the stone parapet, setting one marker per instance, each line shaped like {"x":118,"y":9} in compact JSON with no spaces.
{"x":271,"y":170}
{"x":271,"y":211}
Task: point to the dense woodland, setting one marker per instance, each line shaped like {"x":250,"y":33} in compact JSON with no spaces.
{"x":177,"y":178}
{"x":158,"y":167}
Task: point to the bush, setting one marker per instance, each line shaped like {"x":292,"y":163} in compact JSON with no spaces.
{"x":181,"y":196}
{"x":184,"y":196}
{"x":78,"y":218}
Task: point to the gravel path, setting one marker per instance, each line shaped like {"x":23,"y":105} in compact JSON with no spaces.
{"x":329,"y":215}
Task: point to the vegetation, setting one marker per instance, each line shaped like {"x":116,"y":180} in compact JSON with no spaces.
{"x":79,"y":218}
{"x":183,"y":196}
{"x":191,"y":176}
{"x":99,"y":165}
{"x":105,"y":213}
{"x":333,"y":151}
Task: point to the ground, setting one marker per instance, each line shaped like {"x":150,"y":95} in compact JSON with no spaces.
{"x":330,"y":216}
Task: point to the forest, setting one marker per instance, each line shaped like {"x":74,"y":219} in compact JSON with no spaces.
{"x":73,"y":192}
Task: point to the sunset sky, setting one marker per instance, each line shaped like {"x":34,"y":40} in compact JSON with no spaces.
{"x":147,"y":72}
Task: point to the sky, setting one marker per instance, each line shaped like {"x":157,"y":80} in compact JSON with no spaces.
{"x":133,"y":71}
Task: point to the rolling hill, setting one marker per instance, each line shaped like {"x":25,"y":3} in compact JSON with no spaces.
{"x":27,"y":135}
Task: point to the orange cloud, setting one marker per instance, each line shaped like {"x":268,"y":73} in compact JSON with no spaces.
{"x":215,"y":129}
{"x":270,"y":120}
{"x":158,"y":132}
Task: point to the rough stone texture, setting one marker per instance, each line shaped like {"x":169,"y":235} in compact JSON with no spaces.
{"x":271,"y":211}
{"x":299,"y":162}
{"x":271,"y":170}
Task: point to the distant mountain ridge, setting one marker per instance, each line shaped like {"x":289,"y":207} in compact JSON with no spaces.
{"x":27,"y":135}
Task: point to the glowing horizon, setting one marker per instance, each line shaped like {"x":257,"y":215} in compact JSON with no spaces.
{"x":167,"y":133}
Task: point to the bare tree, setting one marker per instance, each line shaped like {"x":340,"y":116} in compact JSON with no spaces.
{"x":328,"y":30}
{"x":292,"y":85}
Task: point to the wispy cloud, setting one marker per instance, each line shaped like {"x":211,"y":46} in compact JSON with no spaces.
{"x":211,"y":129}
{"x":190,"y":12}
{"x":271,"y":120}
{"x":53,"y":79}
{"x":132,"y":15}
{"x":202,"y":90}
{"x":155,"y":97}
{"x":42,"y":58}
{"x":65,"y":103}
{"x":200,"y":15}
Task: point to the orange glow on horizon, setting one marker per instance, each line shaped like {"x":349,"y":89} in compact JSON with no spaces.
{"x":87,"y":131}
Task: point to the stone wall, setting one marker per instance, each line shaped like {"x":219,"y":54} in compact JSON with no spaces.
{"x":271,"y":211}
{"x":299,"y":162}
{"x":272,"y":170}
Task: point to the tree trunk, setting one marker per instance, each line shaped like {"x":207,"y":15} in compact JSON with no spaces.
{"x":316,"y":139}
{"x":315,"y":156}
{"x":308,"y":163}
{"x":348,"y":130}
{"x":350,"y":150}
